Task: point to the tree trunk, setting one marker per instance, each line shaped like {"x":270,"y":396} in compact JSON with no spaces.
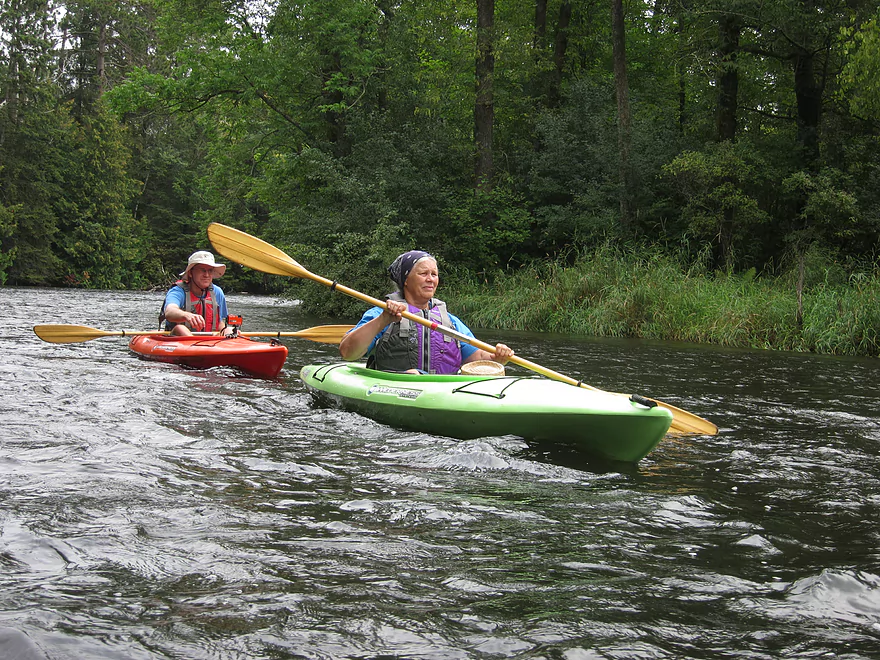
{"x":799,"y":317}
{"x":102,"y":56}
{"x":13,"y":82}
{"x":680,"y":71}
{"x":725,"y":120}
{"x":484,"y":108}
{"x":335,"y":121}
{"x":540,"y":24}
{"x":560,"y":48}
{"x":624,"y":130}
{"x":728,"y":82}
{"x":809,"y":107}
{"x":386,"y":10}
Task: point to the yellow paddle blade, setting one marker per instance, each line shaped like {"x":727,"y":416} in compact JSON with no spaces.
{"x":255,"y":253}
{"x":327,"y":334}
{"x":252,"y":252}
{"x":62,"y":333}
{"x":686,"y":423}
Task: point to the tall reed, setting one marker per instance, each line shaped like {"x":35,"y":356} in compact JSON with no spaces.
{"x":611,"y":293}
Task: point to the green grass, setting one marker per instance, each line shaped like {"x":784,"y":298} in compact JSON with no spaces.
{"x":614,"y":294}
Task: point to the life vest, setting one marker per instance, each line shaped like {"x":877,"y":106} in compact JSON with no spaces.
{"x":410,"y":345}
{"x":197,"y":306}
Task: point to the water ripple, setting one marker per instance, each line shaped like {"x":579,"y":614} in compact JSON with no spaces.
{"x":150,"y":511}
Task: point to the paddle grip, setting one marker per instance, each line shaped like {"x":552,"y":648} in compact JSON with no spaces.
{"x":643,"y":401}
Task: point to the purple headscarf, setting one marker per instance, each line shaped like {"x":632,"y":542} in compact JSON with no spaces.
{"x":403,"y":265}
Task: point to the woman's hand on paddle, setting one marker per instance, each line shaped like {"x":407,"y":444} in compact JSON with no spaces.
{"x":502,"y":353}
{"x":393,"y":312}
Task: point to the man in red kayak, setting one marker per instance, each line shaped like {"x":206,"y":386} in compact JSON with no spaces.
{"x":195,"y":303}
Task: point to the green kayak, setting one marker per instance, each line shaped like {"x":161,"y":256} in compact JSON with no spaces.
{"x":605,"y":425}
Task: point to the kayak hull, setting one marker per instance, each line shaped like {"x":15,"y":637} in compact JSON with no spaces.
{"x":254,"y":358}
{"x":603,"y":424}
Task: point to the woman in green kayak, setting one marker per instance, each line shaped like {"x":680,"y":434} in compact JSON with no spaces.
{"x":392,"y":342}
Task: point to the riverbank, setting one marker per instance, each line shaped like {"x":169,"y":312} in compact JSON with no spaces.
{"x":613,"y":294}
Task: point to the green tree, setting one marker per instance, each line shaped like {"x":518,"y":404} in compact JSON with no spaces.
{"x":722,"y":184}
{"x":829,"y":212}
{"x":7,"y":228}
{"x":35,"y":155}
{"x":860,"y":77}
{"x":31,"y":143}
{"x":346,"y":129}
{"x":64,"y":178}
{"x":99,"y":241}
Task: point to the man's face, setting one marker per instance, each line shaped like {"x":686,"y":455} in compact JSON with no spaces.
{"x":201,"y":275}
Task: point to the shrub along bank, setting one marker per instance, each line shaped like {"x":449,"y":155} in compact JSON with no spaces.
{"x":610,"y":293}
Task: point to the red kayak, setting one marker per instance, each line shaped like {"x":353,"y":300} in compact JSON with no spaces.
{"x":255,"y":358}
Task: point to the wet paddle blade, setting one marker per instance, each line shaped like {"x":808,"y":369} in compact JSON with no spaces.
{"x":686,"y":423}
{"x":67,"y":334}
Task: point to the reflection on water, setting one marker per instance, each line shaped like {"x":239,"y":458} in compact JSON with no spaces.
{"x":153,"y":512}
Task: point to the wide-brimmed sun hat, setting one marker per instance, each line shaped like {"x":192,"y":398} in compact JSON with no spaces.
{"x":206,"y":258}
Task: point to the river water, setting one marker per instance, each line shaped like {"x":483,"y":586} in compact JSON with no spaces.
{"x":147,"y":511}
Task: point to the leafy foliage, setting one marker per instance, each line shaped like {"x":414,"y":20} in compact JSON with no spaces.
{"x":859,"y":86}
{"x":344,"y":131}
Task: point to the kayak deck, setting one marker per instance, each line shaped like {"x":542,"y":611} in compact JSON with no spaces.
{"x":255,"y":358}
{"x":604,"y":424}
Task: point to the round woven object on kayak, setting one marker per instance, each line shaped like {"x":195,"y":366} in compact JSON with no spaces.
{"x":483,"y":368}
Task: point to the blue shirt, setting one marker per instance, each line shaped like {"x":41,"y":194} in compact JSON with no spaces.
{"x":177,"y":297}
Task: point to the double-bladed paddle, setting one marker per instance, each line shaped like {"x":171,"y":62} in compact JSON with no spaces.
{"x":61,"y":333}
{"x":260,"y":255}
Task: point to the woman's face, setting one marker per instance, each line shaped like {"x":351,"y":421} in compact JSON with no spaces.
{"x":422,"y":282}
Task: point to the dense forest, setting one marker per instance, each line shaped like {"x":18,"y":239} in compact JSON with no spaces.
{"x":736,"y":136}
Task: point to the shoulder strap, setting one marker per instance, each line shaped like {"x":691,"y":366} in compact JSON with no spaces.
{"x":189,"y":306}
{"x":435,"y":305}
{"x":406,"y":326}
{"x":440,"y":307}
